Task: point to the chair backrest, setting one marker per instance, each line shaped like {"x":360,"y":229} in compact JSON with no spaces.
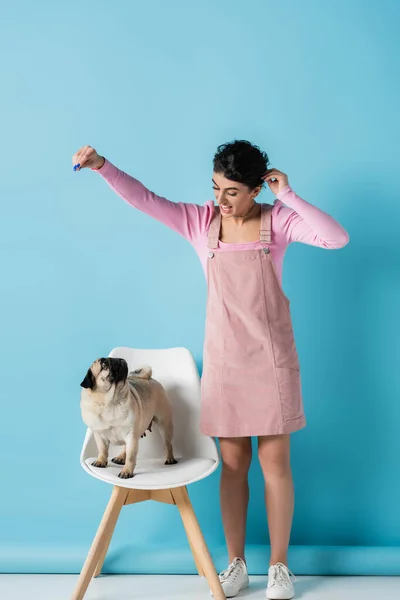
{"x":176,"y":370}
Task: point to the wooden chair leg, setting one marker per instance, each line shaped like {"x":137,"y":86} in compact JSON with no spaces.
{"x":197,"y":542}
{"x":105,"y":549}
{"x":199,"y":568}
{"x":132,"y":497}
{"x":101,"y":540}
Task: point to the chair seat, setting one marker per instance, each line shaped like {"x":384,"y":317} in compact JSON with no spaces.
{"x":152,"y":474}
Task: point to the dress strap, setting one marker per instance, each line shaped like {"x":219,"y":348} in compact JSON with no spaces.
{"x":266,"y":223}
{"x":215,"y":227}
{"x":265,"y":231}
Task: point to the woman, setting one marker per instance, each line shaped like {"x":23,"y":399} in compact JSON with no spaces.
{"x":251,"y":375}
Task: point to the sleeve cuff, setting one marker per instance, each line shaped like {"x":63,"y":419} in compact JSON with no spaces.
{"x":106,"y":170}
{"x":283,"y":192}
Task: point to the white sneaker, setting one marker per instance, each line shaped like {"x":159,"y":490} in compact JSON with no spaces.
{"x":280,"y":586}
{"x":234,"y":578}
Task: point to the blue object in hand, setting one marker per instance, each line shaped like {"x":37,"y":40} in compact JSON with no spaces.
{"x":76,"y":167}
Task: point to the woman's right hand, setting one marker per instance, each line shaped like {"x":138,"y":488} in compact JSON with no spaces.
{"x":87,"y":157}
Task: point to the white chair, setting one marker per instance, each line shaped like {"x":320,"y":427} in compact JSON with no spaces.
{"x":197,"y":457}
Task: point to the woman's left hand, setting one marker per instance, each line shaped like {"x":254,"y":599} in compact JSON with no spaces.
{"x":276,"y":180}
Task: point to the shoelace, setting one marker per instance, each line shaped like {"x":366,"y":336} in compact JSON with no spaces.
{"x":281,"y":575}
{"x":224,"y":575}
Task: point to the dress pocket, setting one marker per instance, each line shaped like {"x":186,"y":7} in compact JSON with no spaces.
{"x":290,"y":393}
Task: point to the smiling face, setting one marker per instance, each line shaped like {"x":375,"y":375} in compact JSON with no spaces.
{"x":235,"y":199}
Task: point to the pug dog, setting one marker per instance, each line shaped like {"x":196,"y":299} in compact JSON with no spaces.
{"x":119,"y":406}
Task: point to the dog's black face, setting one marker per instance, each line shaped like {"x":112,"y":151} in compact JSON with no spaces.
{"x":89,"y":382}
{"x":104,"y":373}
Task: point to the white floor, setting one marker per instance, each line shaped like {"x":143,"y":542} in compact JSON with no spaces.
{"x":187,"y":587}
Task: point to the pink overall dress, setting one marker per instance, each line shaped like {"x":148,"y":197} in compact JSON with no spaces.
{"x":251,"y":374}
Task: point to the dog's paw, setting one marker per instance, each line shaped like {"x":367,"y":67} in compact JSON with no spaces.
{"x":118,"y":460}
{"x":125,"y":474}
{"x":101,"y":464}
{"x":171,"y":461}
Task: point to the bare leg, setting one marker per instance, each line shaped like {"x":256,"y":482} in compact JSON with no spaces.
{"x":274,"y":456}
{"x":234,"y":492}
{"x":102,"y":449}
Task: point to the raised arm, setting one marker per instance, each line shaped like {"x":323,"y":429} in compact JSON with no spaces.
{"x":189,"y":220}
{"x":302,"y":222}
{"x":299,"y":220}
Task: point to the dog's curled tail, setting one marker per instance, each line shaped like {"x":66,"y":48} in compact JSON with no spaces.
{"x":143,"y":373}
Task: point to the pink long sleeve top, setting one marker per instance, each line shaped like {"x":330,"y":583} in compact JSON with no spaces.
{"x":293,"y":219}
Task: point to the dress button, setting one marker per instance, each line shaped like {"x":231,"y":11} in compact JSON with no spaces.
{"x":211,"y":254}
{"x":266,"y":250}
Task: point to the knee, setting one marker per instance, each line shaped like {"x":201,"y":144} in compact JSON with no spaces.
{"x":274,"y":465}
{"x":236,"y":461}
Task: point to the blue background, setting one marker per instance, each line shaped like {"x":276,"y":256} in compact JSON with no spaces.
{"x":156,"y":86}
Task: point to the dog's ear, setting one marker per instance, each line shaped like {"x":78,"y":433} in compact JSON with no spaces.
{"x":118,"y":369}
{"x":89,"y":381}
